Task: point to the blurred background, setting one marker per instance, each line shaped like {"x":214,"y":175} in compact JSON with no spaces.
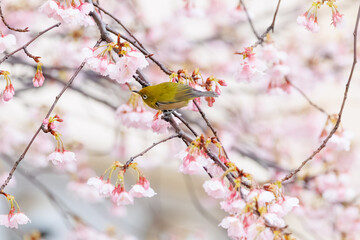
{"x":265,"y":133}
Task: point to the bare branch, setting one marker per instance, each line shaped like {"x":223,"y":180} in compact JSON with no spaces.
{"x":149,"y":148}
{"x":29,"y":42}
{"x":8,"y":26}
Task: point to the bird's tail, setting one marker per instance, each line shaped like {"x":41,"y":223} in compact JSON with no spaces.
{"x":206,"y":94}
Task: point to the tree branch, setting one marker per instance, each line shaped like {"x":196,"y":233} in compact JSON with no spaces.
{"x":29,"y":42}
{"x":47,"y":115}
{"x":337,"y":124}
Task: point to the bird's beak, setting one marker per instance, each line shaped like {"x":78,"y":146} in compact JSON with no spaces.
{"x":135,"y":91}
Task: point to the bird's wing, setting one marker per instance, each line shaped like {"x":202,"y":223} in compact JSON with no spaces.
{"x":185,"y":93}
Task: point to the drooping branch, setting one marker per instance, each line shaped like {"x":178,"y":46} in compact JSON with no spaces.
{"x":337,"y":124}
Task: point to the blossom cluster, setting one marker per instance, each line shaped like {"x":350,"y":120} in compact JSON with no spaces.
{"x":61,"y":158}
{"x":253,"y":214}
{"x":309,"y":19}
{"x":195,"y":158}
{"x":119,"y":196}
{"x":15,"y":217}
{"x":118,"y":60}
{"x":269,"y":65}
{"x":70,"y":12}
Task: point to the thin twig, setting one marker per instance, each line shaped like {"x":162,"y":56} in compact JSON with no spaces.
{"x":8,"y":26}
{"x":29,"y":42}
{"x":249,"y":19}
{"x":210,"y":126}
{"x":275,"y":14}
{"x":149,"y":148}
{"x":41,"y":126}
{"x":185,"y":123}
{"x":53,"y":199}
{"x":270,"y":28}
{"x":36,"y":58}
{"x":120,"y":23}
{"x":323,"y":144}
{"x":305,"y":96}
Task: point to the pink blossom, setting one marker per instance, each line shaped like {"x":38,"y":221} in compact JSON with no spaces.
{"x":142,"y":189}
{"x":334,"y":187}
{"x":95,"y":182}
{"x":104,"y":188}
{"x":234,"y":227}
{"x":248,"y":72}
{"x":63,"y":159}
{"x":126,"y":66}
{"x":274,"y":220}
{"x":348,"y":220}
{"x":39,"y":79}
{"x":13,"y":220}
{"x":98,"y":63}
{"x":120,"y":197}
{"x":160,"y":126}
{"x":337,"y":19}
{"x":56,"y":157}
{"x":70,"y":14}
{"x":192,"y":164}
{"x":8,"y":93}
{"x":233,"y":203}
{"x":215,"y":188}
{"x":137,"y":117}
{"x":261,"y":196}
{"x":6,"y":41}
{"x":309,"y":21}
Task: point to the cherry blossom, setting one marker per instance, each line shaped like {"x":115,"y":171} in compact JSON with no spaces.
{"x":126,"y":66}
{"x":69,"y":13}
{"x":14,"y":220}
{"x":120,"y":197}
{"x":8,"y":93}
{"x":120,"y":68}
{"x":234,"y":226}
{"x":104,"y":188}
{"x":142,"y":189}
{"x":215,"y":188}
{"x":62,"y":158}
{"x":309,"y":18}
{"x":137,"y":117}
{"x":39,"y":78}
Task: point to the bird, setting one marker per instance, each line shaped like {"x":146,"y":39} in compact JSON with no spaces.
{"x":170,"y":95}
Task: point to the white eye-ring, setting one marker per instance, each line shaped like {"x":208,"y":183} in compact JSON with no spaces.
{"x":144,"y":96}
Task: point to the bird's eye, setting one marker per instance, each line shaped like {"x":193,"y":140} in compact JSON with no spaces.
{"x":144,"y":96}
